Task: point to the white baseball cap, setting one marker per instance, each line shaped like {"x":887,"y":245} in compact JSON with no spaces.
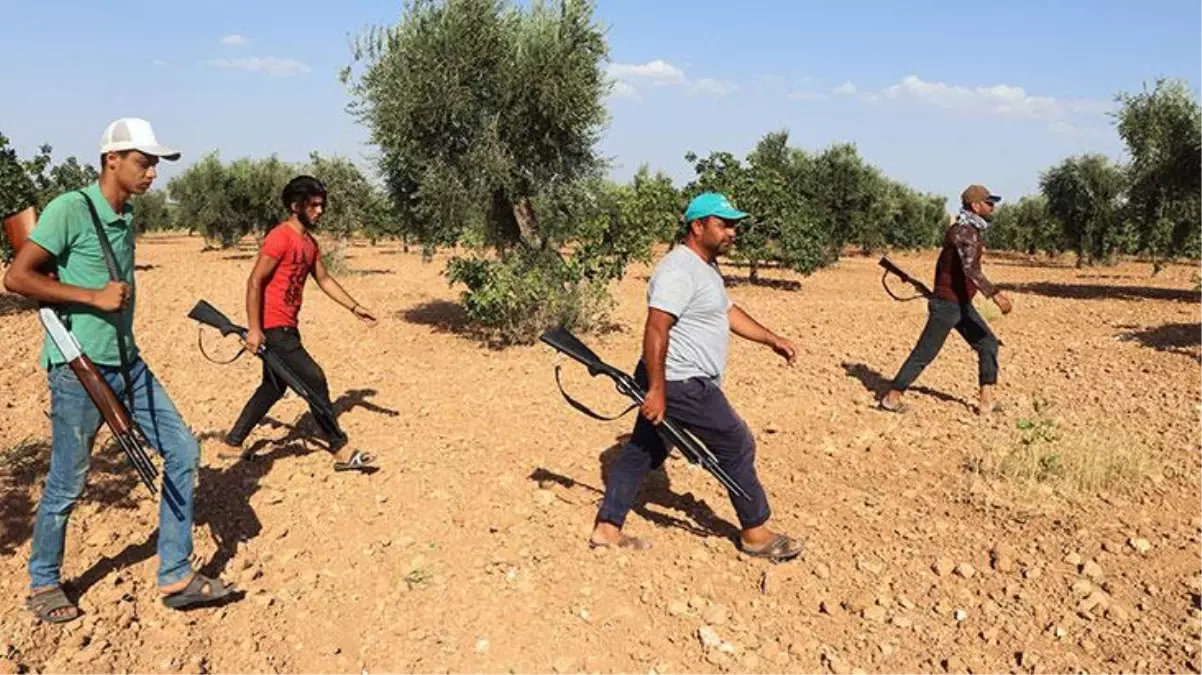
{"x":132,"y":133}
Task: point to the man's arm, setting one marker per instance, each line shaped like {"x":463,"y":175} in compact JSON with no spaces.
{"x":332,"y":288}
{"x":259,"y":276}
{"x":25,"y":277}
{"x":968,"y":246}
{"x":744,"y":326}
{"x":655,"y":354}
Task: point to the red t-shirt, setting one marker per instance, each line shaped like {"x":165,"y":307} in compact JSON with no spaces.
{"x":297,"y":254}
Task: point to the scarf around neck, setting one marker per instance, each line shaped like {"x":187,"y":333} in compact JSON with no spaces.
{"x":967,"y":217}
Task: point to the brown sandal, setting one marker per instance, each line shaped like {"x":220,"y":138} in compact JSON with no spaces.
{"x":632,"y":543}
{"x":45,"y":603}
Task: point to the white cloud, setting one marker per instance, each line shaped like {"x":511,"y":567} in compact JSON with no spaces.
{"x":159,"y":62}
{"x":270,"y":65}
{"x":999,"y":100}
{"x":708,"y":86}
{"x":657,"y":73}
{"x":628,"y":78}
{"x":235,"y":40}
{"x":806,"y":95}
{"x":624,"y":91}
{"x":845,"y":89}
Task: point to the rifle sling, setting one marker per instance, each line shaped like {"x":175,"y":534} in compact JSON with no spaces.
{"x":111,"y":262}
{"x":583,"y":408}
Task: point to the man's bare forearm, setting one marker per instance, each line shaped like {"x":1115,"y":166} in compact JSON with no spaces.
{"x":337,"y":293}
{"x":744,"y":326}
{"x":44,"y":288}
{"x":254,"y":304}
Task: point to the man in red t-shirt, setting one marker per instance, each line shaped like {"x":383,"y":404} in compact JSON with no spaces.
{"x":273,"y":300}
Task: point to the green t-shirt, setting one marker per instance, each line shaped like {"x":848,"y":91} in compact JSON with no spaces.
{"x":65,"y":229}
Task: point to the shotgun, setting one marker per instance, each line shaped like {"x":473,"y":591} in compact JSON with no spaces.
{"x":672,"y":433}
{"x":119,"y":420}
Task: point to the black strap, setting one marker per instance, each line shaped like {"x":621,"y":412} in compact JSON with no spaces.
{"x":111,"y":262}
{"x":897,"y":297}
{"x":584,"y":409}
{"x":200,"y":343}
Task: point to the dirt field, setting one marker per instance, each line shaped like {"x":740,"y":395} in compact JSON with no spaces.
{"x":1061,"y":536}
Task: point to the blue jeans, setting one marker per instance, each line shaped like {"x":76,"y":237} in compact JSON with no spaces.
{"x":74,"y":422}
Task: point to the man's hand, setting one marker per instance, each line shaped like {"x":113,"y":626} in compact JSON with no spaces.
{"x":254,"y":340}
{"x":654,"y":406}
{"x":364,"y":315}
{"x":1002,"y":302}
{"x":783,"y":347}
{"x":114,"y":296}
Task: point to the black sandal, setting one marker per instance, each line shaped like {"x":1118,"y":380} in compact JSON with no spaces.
{"x":359,"y":461}
{"x":200,"y":591}
{"x":44,"y":604}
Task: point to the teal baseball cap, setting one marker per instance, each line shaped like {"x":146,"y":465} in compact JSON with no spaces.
{"x":712,"y":204}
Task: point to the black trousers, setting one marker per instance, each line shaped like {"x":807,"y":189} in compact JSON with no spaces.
{"x":945,"y":316}
{"x":286,"y":342}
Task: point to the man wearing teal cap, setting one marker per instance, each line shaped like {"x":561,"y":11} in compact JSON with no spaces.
{"x":685,"y":345}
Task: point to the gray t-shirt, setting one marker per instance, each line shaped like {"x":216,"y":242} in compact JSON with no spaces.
{"x":693,"y":291}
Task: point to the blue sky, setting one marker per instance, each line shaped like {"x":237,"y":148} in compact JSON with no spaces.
{"x":938,"y":94}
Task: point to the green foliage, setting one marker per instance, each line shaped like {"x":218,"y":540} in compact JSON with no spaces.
{"x":226,"y":202}
{"x":478,"y":107}
{"x":354,"y":204}
{"x":516,"y":298}
{"x":1026,"y":226}
{"x":35,"y":182}
{"x":806,"y":208}
{"x":1084,"y":193}
{"x":151,"y":212}
{"x":17,"y":192}
{"x":486,"y":115}
{"x":1163,"y":132}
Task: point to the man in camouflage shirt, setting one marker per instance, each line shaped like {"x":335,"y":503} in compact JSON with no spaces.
{"x":958,"y":277}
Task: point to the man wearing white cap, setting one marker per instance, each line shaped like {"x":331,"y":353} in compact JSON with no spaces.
{"x":99,"y":312}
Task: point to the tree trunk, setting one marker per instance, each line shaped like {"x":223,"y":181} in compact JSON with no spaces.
{"x":754,"y":274}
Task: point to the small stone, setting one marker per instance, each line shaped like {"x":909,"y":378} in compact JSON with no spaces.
{"x":953,"y":664}
{"x":482,"y":646}
{"x":709,"y":637}
{"x":1091,"y":570}
{"x":875,"y":613}
{"x":905,"y":602}
{"x":715,"y":615}
{"x":1073,"y":559}
{"x":1141,"y":545}
{"x":961,"y":615}
{"x":697,"y":602}
{"x":827,"y":606}
{"x":1095,"y":599}
{"x":822,"y":571}
{"x":677,"y":608}
{"x":990,"y":635}
{"x":1089,"y":646}
{"x":902,"y":622}
{"x":873,"y":567}
{"x":858,"y":603}
{"x":942,"y":566}
{"x":1032,"y":572}
{"x":544,"y":498}
{"x":966,"y":570}
{"x":1082,"y":587}
{"x":1059,"y":632}
{"x":767,"y":584}
{"x":1116,"y":613}
{"x":1027,"y":659}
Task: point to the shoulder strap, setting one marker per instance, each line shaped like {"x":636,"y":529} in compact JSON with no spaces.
{"x":111,"y":262}
{"x":584,"y":409}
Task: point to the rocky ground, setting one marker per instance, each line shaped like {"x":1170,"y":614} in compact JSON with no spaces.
{"x":1062,"y":535}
